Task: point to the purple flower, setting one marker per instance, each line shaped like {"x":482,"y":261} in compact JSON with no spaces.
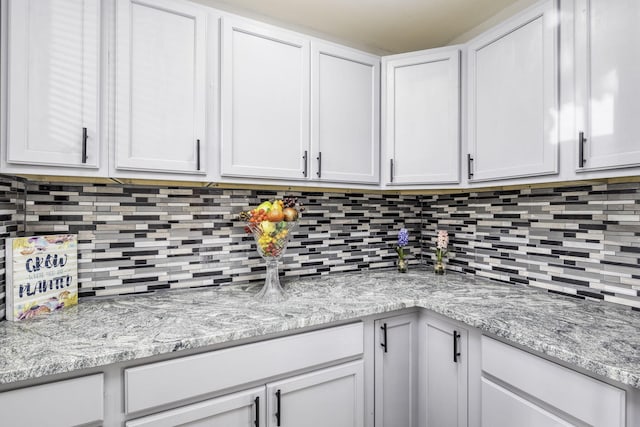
{"x":403,"y":237}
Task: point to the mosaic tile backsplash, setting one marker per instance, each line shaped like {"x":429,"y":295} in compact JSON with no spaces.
{"x":581,"y":241}
{"x":12,"y":210}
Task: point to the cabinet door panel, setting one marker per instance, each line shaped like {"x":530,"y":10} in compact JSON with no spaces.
{"x":160,"y":86}
{"x":396,"y":372}
{"x":265,"y":101}
{"x":345,"y":113}
{"x":423,"y":118}
{"x":446,"y":379}
{"x":53,"y":82}
{"x":329,"y":397}
{"x":235,"y":410}
{"x":513,"y":102}
{"x":607,"y":88}
{"x":501,"y":408}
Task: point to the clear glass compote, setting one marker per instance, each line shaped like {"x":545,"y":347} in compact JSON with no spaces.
{"x":271,"y":240}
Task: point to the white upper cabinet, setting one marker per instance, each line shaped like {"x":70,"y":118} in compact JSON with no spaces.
{"x":422,"y":117}
{"x":513,"y":97}
{"x":265,"y":101}
{"x":53,"y":61}
{"x":160,"y":86}
{"x":607,"y":64}
{"x":345,"y":142}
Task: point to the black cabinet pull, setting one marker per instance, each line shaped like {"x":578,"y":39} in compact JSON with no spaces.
{"x":85,"y":136}
{"x":456,"y":353}
{"x":278,"y":408}
{"x":390,"y":170}
{"x":581,"y":141}
{"x":469,"y":166}
{"x":256,"y":402}
{"x":304,"y":159}
{"x":383,"y":344}
{"x":197,"y":154}
{"x":319,"y":164}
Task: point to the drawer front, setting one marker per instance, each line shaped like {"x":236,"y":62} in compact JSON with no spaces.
{"x":63,"y":403}
{"x":501,"y":408}
{"x":580,"y":396}
{"x":174,"y":380}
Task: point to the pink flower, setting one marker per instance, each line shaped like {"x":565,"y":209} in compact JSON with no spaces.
{"x":443,"y":240}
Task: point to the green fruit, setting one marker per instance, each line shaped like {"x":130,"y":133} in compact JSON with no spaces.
{"x":265,"y":206}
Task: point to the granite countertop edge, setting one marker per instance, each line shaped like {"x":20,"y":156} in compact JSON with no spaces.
{"x":600,"y":338}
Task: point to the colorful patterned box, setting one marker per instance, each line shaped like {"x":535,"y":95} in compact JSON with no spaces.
{"x":42,"y":275}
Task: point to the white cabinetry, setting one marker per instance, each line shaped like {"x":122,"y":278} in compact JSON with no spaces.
{"x":344,"y":114}
{"x":421,"y":126}
{"x":53,"y":63}
{"x":160,"y":95}
{"x":43,"y":405}
{"x":519,"y":388}
{"x":265,"y":101}
{"x":513,"y":97}
{"x":243,"y":409}
{"x":607,"y":65}
{"x":396,"y":371}
{"x":328,"y":397}
{"x":445,"y":372}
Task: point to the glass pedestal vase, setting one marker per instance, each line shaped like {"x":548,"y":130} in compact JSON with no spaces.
{"x":439,"y":267}
{"x":271,"y":240}
{"x":271,"y":291}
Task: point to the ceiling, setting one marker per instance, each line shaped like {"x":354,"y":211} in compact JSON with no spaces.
{"x":380,"y":26}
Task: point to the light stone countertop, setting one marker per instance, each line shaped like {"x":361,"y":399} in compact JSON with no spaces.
{"x":602,"y":338}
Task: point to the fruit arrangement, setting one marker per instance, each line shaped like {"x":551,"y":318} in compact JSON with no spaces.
{"x":271,"y":222}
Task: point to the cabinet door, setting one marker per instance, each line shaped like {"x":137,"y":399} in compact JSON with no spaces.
{"x":345,"y":142}
{"x":328,"y":397}
{"x":160,"y":86}
{"x":243,"y":409}
{"x":265,"y":101}
{"x":607,"y":86}
{"x":396,"y":371}
{"x":446,"y":374}
{"x":513,"y":97}
{"x":422,"y":118}
{"x":53,"y":82}
{"x":501,"y":408}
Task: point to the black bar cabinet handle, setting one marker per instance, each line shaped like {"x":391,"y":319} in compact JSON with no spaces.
{"x":469,"y":166}
{"x":456,"y":353}
{"x":256,"y":402}
{"x":319,"y":164}
{"x":304,"y":158}
{"x":581,"y":142}
{"x":278,"y":408}
{"x":390,"y":170}
{"x":384,"y":337}
{"x":85,"y":136}
{"x":198,"y":154}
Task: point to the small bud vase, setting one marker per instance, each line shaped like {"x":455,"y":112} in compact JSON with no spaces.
{"x":403,"y":265}
{"x":439,"y":267}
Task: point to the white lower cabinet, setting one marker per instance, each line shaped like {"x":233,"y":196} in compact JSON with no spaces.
{"x":328,"y":397}
{"x":502,"y":408}
{"x":445,"y":372}
{"x":49,"y":404}
{"x":243,"y":409}
{"x":315,"y":396}
{"x":396,"y":371}
{"x":519,"y":388}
